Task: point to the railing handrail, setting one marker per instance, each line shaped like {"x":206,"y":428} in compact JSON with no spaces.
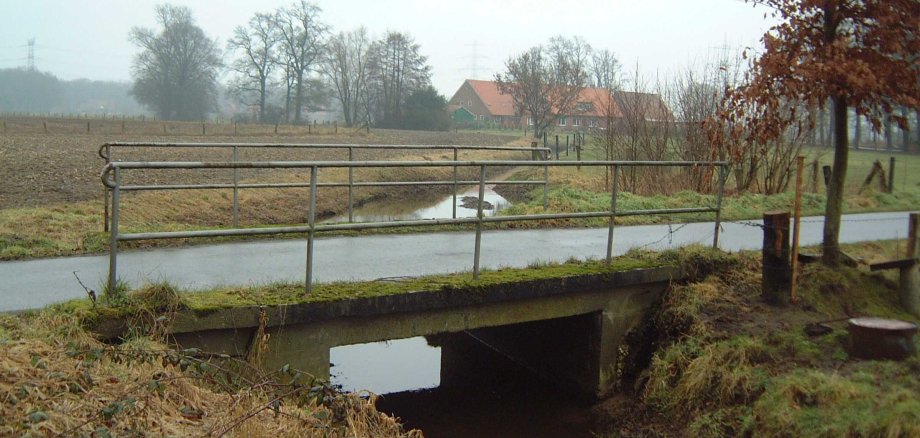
{"x":311,"y":228}
{"x":378,"y":164}
{"x":121,"y":144}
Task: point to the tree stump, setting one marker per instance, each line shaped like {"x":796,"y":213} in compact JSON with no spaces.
{"x":879,"y":338}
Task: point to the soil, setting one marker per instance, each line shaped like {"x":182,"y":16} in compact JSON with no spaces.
{"x":46,"y":169}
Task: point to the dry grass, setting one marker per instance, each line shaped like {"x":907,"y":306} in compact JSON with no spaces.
{"x":57,"y":380}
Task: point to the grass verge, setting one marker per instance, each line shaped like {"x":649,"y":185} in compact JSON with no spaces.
{"x":725,"y":364}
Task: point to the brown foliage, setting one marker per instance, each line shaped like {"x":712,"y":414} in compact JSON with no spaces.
{"x":863,"y":51}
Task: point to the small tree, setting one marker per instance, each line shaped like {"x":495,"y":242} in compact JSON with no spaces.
{"x":256,"y":45}
{"x":857,"y":53}
{"x":346,"y":66}
{"x":302,"y":36}
{"x":175,"y":74}
{"x":545,"y":82}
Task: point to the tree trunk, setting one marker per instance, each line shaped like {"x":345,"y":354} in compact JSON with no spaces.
{"x":298,"y":98}
{"x":917,"y":129}
{"x":857,"y":136}
{"x":905,"y":133}
{"x":889,"y":134}
{"x":834,"y":207}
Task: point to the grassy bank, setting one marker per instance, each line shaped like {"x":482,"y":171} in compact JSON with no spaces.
{"x":722,"y":363}
{"x":56,"y":380}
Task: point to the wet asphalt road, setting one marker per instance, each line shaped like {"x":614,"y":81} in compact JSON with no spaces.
{"x":36,"y":283}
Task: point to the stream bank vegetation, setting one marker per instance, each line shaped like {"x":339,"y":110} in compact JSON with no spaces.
{"x":714,"y":360}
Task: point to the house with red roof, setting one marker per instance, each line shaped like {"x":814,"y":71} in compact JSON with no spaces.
{"x":482,"y":102}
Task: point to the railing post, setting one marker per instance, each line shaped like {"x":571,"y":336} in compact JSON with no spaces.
{"x":454,"y":214}
{"x":106,"y":192}
{"x":113,"y":233}
{"x":351,"y":186}
{"x":723,"y":172}
{"x":613,"y":213}
{"x":545,"y":187}
{"x":482,"y":193}
{"x":236,"y":189}
{"x":311,"y":221}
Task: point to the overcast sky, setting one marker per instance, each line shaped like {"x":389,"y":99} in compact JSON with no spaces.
{"x":88,"y":38}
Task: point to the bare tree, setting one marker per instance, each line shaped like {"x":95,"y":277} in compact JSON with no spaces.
{"x":176,"y":72}
{"x":545,"y":82}
{"x":301,"y":34}
{"x":256,"y":45}
{"x":397,"y":68}
{"x":605,"y":69}
{"x":346,"y":66}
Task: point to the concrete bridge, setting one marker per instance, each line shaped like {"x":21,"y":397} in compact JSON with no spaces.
{"x":567,"y":329}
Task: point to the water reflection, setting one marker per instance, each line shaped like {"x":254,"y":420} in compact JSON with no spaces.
{"x":481,"y":392}
{"x":385,"y":367}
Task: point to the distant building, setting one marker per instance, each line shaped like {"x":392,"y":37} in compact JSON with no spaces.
{"x":481,"y":102}
{"x":485,"y":103}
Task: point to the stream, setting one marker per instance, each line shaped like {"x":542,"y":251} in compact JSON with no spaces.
{"x":391,"y":210}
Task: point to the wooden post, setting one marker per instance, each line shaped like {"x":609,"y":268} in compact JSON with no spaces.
{"x":827,"y":175}
{"x":814,"y":176}
{"x":891,"y":175}
{"x":535,"y":155}
{"x":203,"y":132}
{"x":578,"y":151}
{"x":557,"y":146}
{"x":164,"y":127}
{"x":910,"y":277}
{"x":797,"y":211}
{"x":335,"y":126}
{"x":276,"y":128}
{"x":45,"y":126}
{"x":777,"y":272}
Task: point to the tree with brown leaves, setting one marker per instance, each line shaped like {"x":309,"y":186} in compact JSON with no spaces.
{"x":860,"y":54}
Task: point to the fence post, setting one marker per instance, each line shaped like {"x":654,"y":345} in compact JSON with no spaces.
{"x":777,"y":272}
{"x":535,"y":155}
{"x":613,"y":212}
{"x":557,"y":147}
{"x":578,"y":150}
{"x":814,"y":176}
{"x":454,"y":211}
{"x":723,"y":174}
{"x":909,"y":290}
{"x":311,"y":234}
{"x":351,"y":186}
{"x":203,"y":131}
{"x":335,"y":125}
{"x":482,"y":193}
{"x":113,"y":233}
{"x":45,"y":126}
{"x":891,"y":175}
{"x":236,"y":189}
{"x":87,"y":128}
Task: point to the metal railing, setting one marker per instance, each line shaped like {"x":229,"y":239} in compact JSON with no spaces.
{"x":106,"y":152}
{"x":112,"y":179}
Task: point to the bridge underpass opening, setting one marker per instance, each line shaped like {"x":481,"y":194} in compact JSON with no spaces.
{"x":512,"y":380}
